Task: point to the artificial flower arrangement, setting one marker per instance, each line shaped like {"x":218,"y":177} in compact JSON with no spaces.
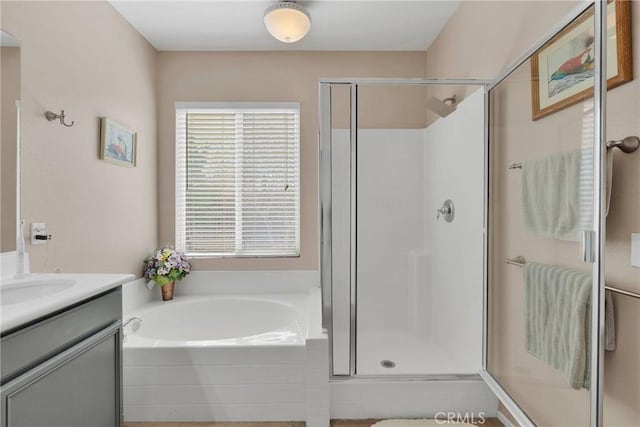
{"x":165,"y":266}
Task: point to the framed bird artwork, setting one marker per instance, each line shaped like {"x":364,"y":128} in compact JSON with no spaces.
{"x":117,"y":143}
{"x":562,"y":70}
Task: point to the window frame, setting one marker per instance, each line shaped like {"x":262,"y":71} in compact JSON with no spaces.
{"x":231,"y":107}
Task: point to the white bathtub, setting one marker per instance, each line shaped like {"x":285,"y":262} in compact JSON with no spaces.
{"x":223,"y":320}
{"x":227,"y":357}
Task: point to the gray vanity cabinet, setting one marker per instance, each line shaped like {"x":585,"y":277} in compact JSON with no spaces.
{"x":73,"y":378}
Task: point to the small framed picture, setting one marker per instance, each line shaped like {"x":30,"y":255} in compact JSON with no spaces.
{"x":117,"y":143}
{"x":562,"y":70}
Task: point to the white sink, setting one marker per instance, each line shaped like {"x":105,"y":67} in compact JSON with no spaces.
{"x":28,"y":290}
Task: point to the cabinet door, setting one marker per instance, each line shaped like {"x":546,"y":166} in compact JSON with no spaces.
{"x":77,"y":388}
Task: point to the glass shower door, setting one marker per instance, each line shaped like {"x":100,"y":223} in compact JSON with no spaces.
{"x":548,"y":193}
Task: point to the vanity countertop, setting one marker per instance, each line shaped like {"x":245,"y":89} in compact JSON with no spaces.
{"x":38,"y":295}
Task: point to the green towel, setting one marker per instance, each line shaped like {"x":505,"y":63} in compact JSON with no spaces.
{"x":557,"y":194}
{"x":551,"y":196}
{"x":557,"y":319}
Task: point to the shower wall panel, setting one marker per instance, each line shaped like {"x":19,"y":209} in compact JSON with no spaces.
{"x":391,"y":226}
{"x":454,"y":153}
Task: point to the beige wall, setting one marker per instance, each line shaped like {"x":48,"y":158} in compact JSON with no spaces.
{"x":275,"y":76}
{"x":510,"y":28}
{"x":9,"y":93}
{"x":83,"y":57}
{"x":482,"y":38}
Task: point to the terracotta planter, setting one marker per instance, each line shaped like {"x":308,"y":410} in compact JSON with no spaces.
{"x":167,"y":291}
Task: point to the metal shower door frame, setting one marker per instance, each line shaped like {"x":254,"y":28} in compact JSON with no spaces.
{"x":325,"y":129}
{"x":599,"y":164}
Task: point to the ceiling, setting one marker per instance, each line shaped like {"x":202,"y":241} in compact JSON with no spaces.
{"x":336,"y":24}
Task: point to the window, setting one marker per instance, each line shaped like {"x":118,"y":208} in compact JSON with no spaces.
{"x":237,"y":179}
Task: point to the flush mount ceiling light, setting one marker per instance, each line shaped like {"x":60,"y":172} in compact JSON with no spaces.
{"x":287,"y":21}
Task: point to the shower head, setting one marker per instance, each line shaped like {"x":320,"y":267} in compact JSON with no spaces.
{"x":442,"y":108}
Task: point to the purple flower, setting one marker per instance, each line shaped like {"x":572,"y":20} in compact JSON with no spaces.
{"x":166,"y":262}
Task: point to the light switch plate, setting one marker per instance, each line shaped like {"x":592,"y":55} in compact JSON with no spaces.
{"x":635,"y":249}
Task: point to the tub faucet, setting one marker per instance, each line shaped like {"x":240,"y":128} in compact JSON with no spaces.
{"x":134,"y":327}
{"x":136,"y":323}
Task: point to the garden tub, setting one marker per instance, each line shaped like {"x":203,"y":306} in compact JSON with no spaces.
{"x":243,"y":357}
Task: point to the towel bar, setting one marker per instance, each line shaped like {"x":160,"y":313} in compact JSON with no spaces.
{"x":626,"y":145}
{"x":520,"y":261}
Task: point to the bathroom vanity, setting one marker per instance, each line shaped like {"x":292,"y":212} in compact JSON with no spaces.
{"x":61,"y":352}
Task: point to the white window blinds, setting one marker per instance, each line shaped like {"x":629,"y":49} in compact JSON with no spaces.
{"x":237,"y":179}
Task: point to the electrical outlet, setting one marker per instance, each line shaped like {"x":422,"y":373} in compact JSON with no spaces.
{"x":38,"y":229}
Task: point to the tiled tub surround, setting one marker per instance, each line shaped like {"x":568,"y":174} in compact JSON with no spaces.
{"x":251,"y":349}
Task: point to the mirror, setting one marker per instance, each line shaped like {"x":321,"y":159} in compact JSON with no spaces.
{"x":9,"y":140}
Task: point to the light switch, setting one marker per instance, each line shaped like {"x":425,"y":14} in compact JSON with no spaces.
{"x":635,"y":249}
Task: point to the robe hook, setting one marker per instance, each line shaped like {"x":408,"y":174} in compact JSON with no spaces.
{"x":51,"y":116}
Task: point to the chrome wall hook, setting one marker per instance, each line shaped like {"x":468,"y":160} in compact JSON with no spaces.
{"x":51,"y":116}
